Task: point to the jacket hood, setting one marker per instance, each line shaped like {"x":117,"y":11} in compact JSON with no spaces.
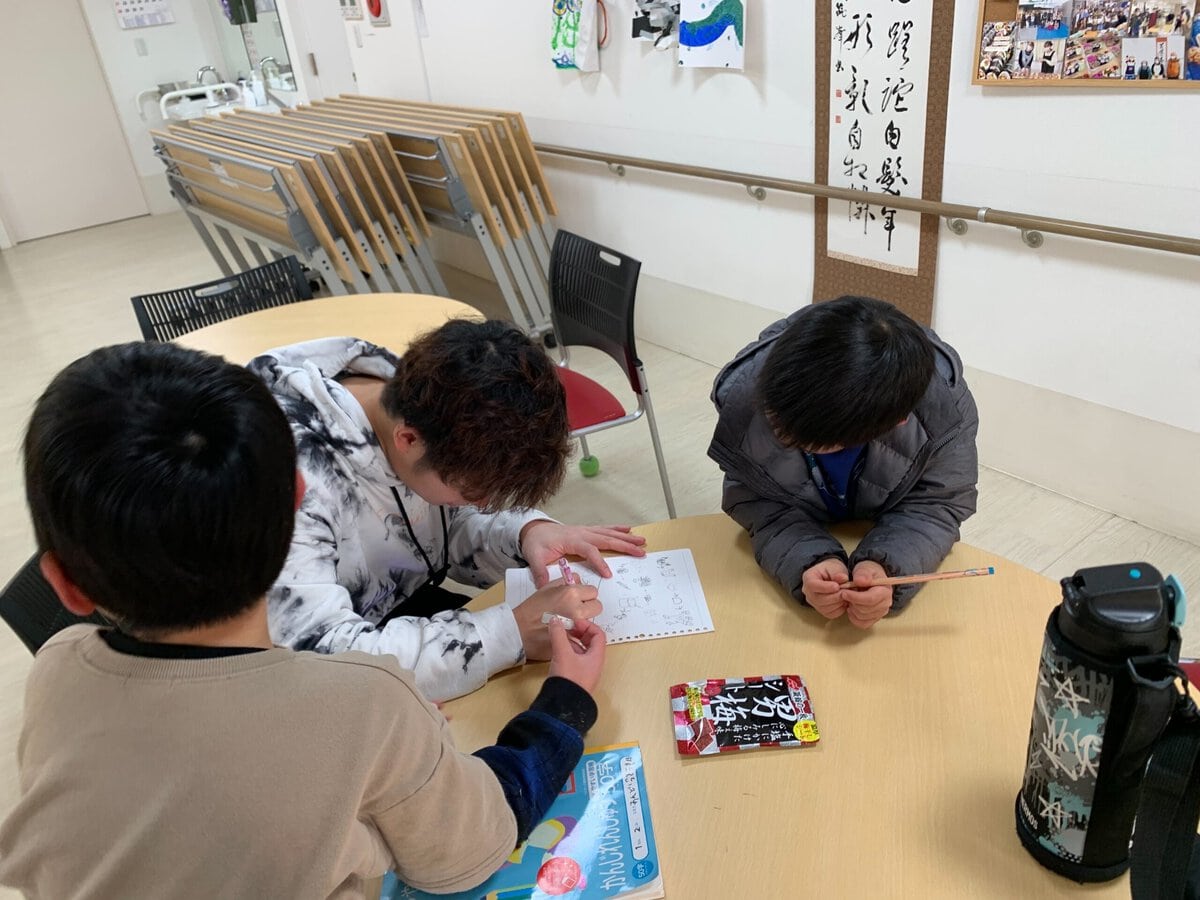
{"x":326,"y":419}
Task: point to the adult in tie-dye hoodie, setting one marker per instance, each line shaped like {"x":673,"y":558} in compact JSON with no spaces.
{"x":474,"y":419}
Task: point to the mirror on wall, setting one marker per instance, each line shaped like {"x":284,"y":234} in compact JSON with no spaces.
{"x":249,"y":32}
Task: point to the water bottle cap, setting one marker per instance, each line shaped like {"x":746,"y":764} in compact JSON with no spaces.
{"x":1117,"y":611}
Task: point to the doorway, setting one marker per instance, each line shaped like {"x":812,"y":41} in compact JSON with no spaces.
{"x":64,"y":162}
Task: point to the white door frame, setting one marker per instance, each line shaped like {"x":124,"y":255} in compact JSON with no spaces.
{"x":316,"y":39}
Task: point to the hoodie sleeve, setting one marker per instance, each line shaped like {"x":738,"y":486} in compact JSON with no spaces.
{"x":451,"y":654}
{"x":483,"y":545}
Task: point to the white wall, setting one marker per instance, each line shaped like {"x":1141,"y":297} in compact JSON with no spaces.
{"x":1107,"y":324}
{"x":388,"y":61}
{"x":173,"y":53}
{"x":1093,"y":323}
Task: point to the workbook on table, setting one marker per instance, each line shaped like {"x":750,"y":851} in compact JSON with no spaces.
{"x":597,"y":841}
{"x":722,"y":714}
{"x":654,"y":596}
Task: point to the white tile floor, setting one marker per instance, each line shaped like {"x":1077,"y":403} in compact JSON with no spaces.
{"x":63,"y":296}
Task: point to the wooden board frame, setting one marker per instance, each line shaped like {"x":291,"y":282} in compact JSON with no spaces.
{"x":253,"y":196}
{"x":364,"y":224}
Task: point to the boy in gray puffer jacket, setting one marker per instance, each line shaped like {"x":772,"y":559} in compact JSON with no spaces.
{"x":847,"y":410}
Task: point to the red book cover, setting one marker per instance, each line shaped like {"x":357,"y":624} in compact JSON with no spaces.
{"x":723,"y":714}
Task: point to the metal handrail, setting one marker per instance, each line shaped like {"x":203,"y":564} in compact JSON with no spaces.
{"x":956,"y":214}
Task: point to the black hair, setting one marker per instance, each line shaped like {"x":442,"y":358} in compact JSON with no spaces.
{"x":490,"y":409}
{"x":845,"y":373}
{"x":163,"y":479}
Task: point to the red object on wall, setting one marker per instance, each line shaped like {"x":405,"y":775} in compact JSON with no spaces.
{"x":375,"y":7}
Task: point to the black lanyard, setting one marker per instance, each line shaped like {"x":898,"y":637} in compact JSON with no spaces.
{"x":436,"y":576}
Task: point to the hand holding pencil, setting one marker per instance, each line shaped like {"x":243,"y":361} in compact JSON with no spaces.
{"x":866,"y":600}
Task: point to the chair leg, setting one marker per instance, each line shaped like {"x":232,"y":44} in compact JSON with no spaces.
{"x":589,"y":466}
{"x":658,"y":454}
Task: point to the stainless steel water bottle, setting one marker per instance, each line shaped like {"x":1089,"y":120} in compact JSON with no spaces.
{"x":1105,"y":691}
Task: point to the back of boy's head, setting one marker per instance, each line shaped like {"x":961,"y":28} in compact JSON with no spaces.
{"x":489,"y":408}
{"x":163,"y":480}
{"x":847,"y":372}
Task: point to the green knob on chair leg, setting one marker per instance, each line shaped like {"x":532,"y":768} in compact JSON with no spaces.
{"x":589,"y":466}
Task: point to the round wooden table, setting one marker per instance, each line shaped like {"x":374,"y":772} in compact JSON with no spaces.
{"x":390,"y":320}
{"x":924,"y":721}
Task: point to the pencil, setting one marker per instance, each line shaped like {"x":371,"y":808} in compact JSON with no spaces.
{"x":933,"y":576}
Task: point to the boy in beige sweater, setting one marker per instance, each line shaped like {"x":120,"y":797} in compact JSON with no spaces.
{"x":181,"y":754}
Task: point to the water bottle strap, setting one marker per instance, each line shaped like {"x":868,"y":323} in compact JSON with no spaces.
{"x":1165,"y":857}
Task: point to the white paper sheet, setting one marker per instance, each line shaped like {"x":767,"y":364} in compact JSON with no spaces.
{"x":656,"y":596}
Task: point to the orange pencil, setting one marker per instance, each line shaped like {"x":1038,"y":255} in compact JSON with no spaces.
{"x":933,"y":576}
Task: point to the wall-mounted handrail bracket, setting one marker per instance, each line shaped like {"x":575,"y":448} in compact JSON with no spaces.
{"x":756,"y":192}
{"x":957,"y":225}
{"x":617,"y":169}
{"x":1032,"y":238}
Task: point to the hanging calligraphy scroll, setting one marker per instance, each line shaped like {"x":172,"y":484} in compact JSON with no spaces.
{"x":881,"y":121}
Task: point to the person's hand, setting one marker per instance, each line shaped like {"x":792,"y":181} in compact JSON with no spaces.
{"x":866,"y":605}
{"x":544,"y":542}
{"x":575,"y":601}
{"x":822,"y":586}
{"x":577,"y":654}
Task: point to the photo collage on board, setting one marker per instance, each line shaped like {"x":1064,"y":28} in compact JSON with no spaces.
{"x":1117,"y":39}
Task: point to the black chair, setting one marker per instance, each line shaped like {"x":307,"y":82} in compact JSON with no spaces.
{"x":592,"y":292}
{"x":170,"y":314}
{"x":31,"y":608}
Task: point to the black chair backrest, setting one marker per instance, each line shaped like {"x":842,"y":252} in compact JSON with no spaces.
{"x":31,"y":608}
{"x":592,"y":290}
{"x":170,"y":314}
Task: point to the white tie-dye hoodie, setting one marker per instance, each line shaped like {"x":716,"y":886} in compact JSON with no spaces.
{"x":352,"y":560}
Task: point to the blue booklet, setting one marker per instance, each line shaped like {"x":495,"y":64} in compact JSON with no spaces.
{"x":595,"y":842}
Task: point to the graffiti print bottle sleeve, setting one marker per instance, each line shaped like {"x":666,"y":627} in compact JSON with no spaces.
{"x":1101,"y":701}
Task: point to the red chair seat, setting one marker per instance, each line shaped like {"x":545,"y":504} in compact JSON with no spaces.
{"x":588,"y":403}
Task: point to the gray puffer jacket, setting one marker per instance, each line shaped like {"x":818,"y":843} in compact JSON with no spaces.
{"x":917,"y":482}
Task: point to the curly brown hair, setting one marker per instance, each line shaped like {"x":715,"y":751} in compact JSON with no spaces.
{"x":490,"y":409}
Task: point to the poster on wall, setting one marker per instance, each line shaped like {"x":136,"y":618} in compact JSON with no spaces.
{"x":574,"y":40}
{"x":878,"y":87}
{"x":1131,"y":40}
{"x":712,"y":34}
{"x":143,"y":13}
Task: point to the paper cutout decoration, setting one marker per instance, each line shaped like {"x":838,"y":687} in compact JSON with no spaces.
{"x":712,"y":34}
{"x":656,"y":21}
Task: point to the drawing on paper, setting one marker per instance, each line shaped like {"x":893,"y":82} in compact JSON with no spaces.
{"x":566,"y":33}
{"x":712,"y":34}
{"x":656,"y":596}
{"x":656,"y":21}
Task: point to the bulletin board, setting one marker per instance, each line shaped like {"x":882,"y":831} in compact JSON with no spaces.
{"x":1141,"y":44}
{"x":910,"y":286}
